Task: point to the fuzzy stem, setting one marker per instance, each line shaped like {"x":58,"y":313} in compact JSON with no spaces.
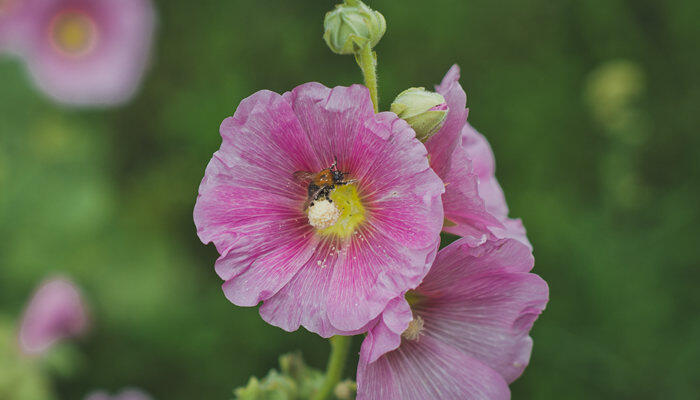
{"x":340,"y":345}
{"x":367,"y":60}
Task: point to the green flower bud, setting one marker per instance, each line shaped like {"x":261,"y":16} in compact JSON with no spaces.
{"x":425,"y":111}
{"x":294,"y":381}
{"x":351,"y":26}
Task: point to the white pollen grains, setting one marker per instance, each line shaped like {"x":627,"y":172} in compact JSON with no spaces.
{"x":323,"y":214}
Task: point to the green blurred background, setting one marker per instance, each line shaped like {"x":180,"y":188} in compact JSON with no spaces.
{"x":592,"y":108}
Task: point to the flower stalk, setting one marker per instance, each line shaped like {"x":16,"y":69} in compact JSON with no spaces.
{"x":340,"y":345}
{"x":367,"y":60}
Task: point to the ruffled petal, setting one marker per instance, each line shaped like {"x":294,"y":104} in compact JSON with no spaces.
{"x":400,"y":189}
{"x":459,"y":261}
{"x":462,"y":201}
{"x":427,"y":369}
{"x":483,"y":302}
{"x":489,"y":319}
{"x":479,"y":151}
{"x":341,"y":290}
{"x":250,"y":206}
{"x":304,"y":300}
{"x":385,"y":335}
{"x":462,"y":204}
{"x":441,"y":145}
{"x":477,"y":304}
{"x":331,"y":120}
{"x":474,"y":203}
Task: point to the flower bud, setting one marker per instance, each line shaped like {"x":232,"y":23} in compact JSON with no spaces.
{"x":425,"y":111}
{"x":351,"y":26}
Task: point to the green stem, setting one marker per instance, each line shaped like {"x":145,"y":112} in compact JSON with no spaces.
{"x":340,"y":345}
{"x":367,"y":60}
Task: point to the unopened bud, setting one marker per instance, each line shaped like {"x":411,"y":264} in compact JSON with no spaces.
{"x":425,"y":111}
{"x":351,"y":26}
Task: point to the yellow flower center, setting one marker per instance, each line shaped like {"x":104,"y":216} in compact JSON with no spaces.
{"x":350,"y":208}
{"x":73,"y":33}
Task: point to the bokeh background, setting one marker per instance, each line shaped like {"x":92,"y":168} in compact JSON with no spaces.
{"x":592,"y":108}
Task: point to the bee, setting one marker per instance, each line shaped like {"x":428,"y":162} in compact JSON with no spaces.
{"x":321,"y":184}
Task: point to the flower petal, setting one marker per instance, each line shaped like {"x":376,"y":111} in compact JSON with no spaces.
{"x":441,"y":145}
{"x":56,"y":311}
{"x":474,"y":203}
{"x":483,"y":302}
{"x":459,"y":261}
{"x":331,"y":119}
{"x":303,"y":301}
{"x":251,"y":206}
{"x":400,"y":190}
{"x":489,"y":319}
{"x":479,"y":151}
{"x":385,"y":336}
{"x":427,"y":369}
{"x":462,"y":201}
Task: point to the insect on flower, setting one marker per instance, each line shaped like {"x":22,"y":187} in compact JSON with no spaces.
{"x":322,"y":183}
{"x":333,"y":266}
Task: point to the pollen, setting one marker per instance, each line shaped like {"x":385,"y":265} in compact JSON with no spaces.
{"x":415,"y":327}
{"x":323,"y":214}
{"x":352,"y":212}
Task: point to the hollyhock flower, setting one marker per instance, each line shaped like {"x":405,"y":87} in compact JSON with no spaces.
{"x":6,"y":9}
{"x":334,"y":266}
{"x":464,"y":334}
{"x":126,"y":394}
{"x":83,"y":52}
{"x":56,"y":311}
{"x":475,"y":206}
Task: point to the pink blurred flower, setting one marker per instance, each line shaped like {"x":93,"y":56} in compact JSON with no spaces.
{"x":82,"y":52}
{"x":8,"y":10}
{"x":126,"y":394}
{"x":56,"y":311}
{"x":475,"y":206}
{"x":252,"y":208}
{"x":465,"y":334}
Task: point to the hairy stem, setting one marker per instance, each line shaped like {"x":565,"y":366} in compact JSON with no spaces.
{"x":340,"y":345}
{"x":367,"y":60}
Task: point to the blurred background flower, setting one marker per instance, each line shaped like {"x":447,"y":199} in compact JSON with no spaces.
{"x":106,"y":196}
{"x":82,"y":52}
{"x":56,"y":312}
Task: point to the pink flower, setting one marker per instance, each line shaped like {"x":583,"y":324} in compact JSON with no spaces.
{"x":333,"y":267}
{"x":126,"y":394}
{"x":8,"y":10}
{"x":82,"y":52}
{"x":475,"y":206}
{"x":465,"y":333}
{"x":56,"y":311}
